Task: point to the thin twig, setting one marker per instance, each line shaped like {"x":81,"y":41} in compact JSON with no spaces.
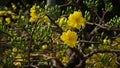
{"x":92,"y":42}
{"x":55,"y":61}
{"x":5,"y":33}
{"x":97,"y":27}
{"x":4,"y":41}
{"x":64,"y":5}
{"x":58,"y":28}
{"x":103,"y":27}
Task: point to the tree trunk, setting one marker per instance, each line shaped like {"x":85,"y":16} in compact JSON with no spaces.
{"x":51,"y":2}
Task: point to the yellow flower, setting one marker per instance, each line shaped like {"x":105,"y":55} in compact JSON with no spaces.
{"x":23,"y":17}
{"x":32,"y":19}
{"x":63,"y":23}
{"x":18,"y":60}
{"x":70,"y":38}
{"x":14,"y":49}
{"x":44,"y":47}
{"x":8,"y":20}
{"x":107,"y":41}
{"x":46,"y":19}
{"x":17,"y":63}
{"x":13,"y":16}
{"x":76,"y":20}
{"x":9,"y":12}
{"x":13,"y":6}
{"x":64,"y":59}
{"x":32,"y":10}
{"x":62,"y":20}
{"x":2,"y":12}
{"x":33,"y":14}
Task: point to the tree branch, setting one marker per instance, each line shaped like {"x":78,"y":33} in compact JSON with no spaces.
{"x":5,"y":33}
{"x":59,"y":29}
{"x":101,"y":51}
{"x":92,"y":42}
{"x":64,"y":5}
{"x":55,"y":61}
{"x":103,"y":27}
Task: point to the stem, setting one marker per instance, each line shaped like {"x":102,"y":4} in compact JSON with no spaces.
{"x":29,"y":48}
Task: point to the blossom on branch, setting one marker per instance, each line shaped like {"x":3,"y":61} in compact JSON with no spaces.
{"x":70,"y":38}
{"x":76,"y":20}
{"x":33,"y":14}
{"x":63,"y":23}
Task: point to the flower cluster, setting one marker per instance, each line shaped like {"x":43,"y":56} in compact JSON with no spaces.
{"x":8,"y":20}
{"x":63,"y":23}
{"x":13,"y":6}
{"x":106,"y":41}
{"x":76,"y":20}
{"x":33,"y":13}
{"x":61,"y":55}
{"x":70,"y":38}
{"x":7,"y":13}
{"x":18,"y":60}
{"x":46,"y":19}
{"x":44,"y":46}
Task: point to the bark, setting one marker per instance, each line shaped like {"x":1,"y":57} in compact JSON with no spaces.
{"x":51,"y":2}
{"x":82,"y":64}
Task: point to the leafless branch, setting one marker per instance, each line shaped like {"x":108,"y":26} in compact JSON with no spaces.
{"x":4,"y":41}
{"x":97,"y":27}
{"x":92,"y":42}
{"x":64,"y":5}
{"x":55,"y":61}
{"x":58,"y":28}
{"x":103,"y":27}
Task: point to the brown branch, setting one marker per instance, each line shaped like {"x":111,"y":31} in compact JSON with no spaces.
{"x":101,"y":51}
{"x":30,"y":66}
{"x":55,"y":61}
{"x":115,"y":29}
{"x":64,"y":5}
{"x":103,"y":27}
{"x":5,"y":33}
{"x":30,"y":42}
{"x":92,"y":42}
{"x":97,"y":27}
{"x":77,"y":52}
{"x":57,"y":27}
{"x":95,"y":11}
{"x":4,"y":41}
